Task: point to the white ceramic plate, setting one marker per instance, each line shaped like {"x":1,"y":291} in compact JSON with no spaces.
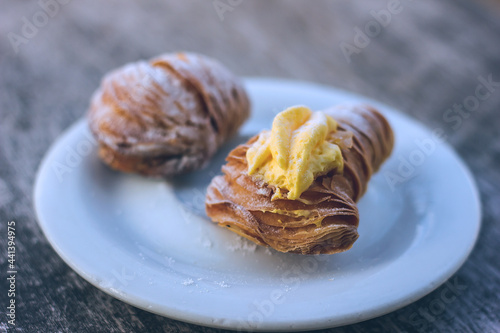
{"x":148,"y":242}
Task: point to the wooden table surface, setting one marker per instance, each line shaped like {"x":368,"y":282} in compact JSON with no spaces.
{"x":427,"y":57}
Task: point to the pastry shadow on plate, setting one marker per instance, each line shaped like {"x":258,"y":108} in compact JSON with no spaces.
{"x":385,"y":235}
{"x":190,"y":188}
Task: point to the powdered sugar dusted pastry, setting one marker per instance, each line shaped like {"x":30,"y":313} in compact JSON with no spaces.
{"x":294,"y":188}
{"x":168,"y":115}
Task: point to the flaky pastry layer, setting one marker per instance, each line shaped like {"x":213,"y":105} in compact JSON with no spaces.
{"x":325,"y":218}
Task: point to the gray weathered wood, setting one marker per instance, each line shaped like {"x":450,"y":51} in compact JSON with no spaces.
{"x":426,"y":59}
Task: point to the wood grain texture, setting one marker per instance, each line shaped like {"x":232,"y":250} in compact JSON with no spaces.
{"x":426,"y":59}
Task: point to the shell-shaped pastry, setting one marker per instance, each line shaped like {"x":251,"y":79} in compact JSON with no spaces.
{"x":168,"y":115}
{"x":325,"y":218}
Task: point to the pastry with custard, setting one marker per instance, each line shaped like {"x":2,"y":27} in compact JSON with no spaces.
{"x":168,"y":115}
{"x":294,"y":188}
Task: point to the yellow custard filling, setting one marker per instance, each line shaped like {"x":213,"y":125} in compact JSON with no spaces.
{"x":295,"y":151}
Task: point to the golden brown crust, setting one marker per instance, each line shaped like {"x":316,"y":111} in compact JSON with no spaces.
{"x":168,"y":115}
{"x":325,"y":218}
